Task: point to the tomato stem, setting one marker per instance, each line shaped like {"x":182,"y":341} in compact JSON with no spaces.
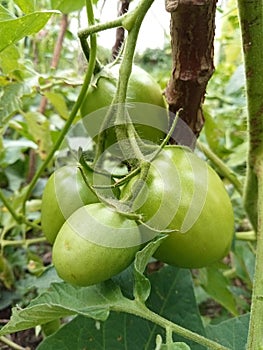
{"x":222,"y":167}
{"x":137,"y":308}
{"x":251,"y":23}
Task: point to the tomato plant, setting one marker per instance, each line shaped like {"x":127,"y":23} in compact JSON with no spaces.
{"x":65,"y":192}
{"x":94,"y":244}
{"x":184,"y":194}
{"x":145,"y":104}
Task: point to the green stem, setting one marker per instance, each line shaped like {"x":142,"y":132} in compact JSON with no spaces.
{"x":136,"y":308}
{"x":246,"y":236}
{"x":11,"y":344}
{"x":83,"y":91}
{"x":132,"y":22}
{"x":222,"y":168}
{"x":10,"y":208}
{"x":22,"y":242}
{"x":255,"y":336}
{"x":18,"y":217}
{"x":251,"y":22}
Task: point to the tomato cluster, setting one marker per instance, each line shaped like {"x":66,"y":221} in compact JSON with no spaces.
{"x":180,"y":196}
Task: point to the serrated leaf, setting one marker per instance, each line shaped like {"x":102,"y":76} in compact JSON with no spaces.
{"x":231,"y":333}
{"x":58,"y":101}
{"x":172,"y":296}
{"x":13,"y":30}
{"x":62,"y":300}
{"x":26,"y":6}
{"x":217,"y":286}
{"x":67,"y":6}
{"x":142,"y":285}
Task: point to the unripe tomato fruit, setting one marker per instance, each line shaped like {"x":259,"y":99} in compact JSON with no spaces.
{"x":94,"y":244}
{"x":145,"y":103}
{"x":184,"y":194}
{"x":64,"y":193}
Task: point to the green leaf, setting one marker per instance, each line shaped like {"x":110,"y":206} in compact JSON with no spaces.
{"x":9,"y":60}
{"x":5,"y":14}
{"x":173,"y":346}
{"x":39,"y":127}
{"x":217,"y":286}
{"x":62,"y":300}
{"x":172,"y":296}
{"x":14,"y":30}
{"x":142,"y":285}
{"x":231,"y":333}
{"x":67,"y":6}
{"x":26,"y":6}
{"x":10,"y":100}
{"x":58,"y":101}
{"x":213,"y":134}
{"x":14,"y":149}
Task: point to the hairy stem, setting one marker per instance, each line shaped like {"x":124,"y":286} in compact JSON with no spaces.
{"x":251,"y":22}
{"x":139,"y":309}
{"x":223,"y":169}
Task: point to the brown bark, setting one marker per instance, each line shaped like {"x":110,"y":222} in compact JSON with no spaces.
{"x":120,"y":33}
{"x":192,"y":35}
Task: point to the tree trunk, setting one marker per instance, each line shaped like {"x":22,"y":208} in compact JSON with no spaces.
{"x":192,"y":35}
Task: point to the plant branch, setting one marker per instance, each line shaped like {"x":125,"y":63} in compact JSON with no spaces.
{"x":11,"y":344}
{"x":223,"y":169}
{"x":251,"y":22}
{"x":139,"y":309}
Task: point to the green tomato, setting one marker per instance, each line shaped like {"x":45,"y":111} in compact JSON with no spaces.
{"x":64,"y":193}
{"x":185,"y":195}
{"x":94,"y":244}
{"x":145,"y":104}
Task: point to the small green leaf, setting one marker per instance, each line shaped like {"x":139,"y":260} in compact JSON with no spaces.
{"x":58,"y":101}
{"x":39,"y":127}
{"x":14,"y":30}
{"x":142,"y":285}
{"x":172,"y":346}
{"x":10,"y":100}
{"x":67,"y":6}
{"x":217,"y":286}
{"x":26,"y":6}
